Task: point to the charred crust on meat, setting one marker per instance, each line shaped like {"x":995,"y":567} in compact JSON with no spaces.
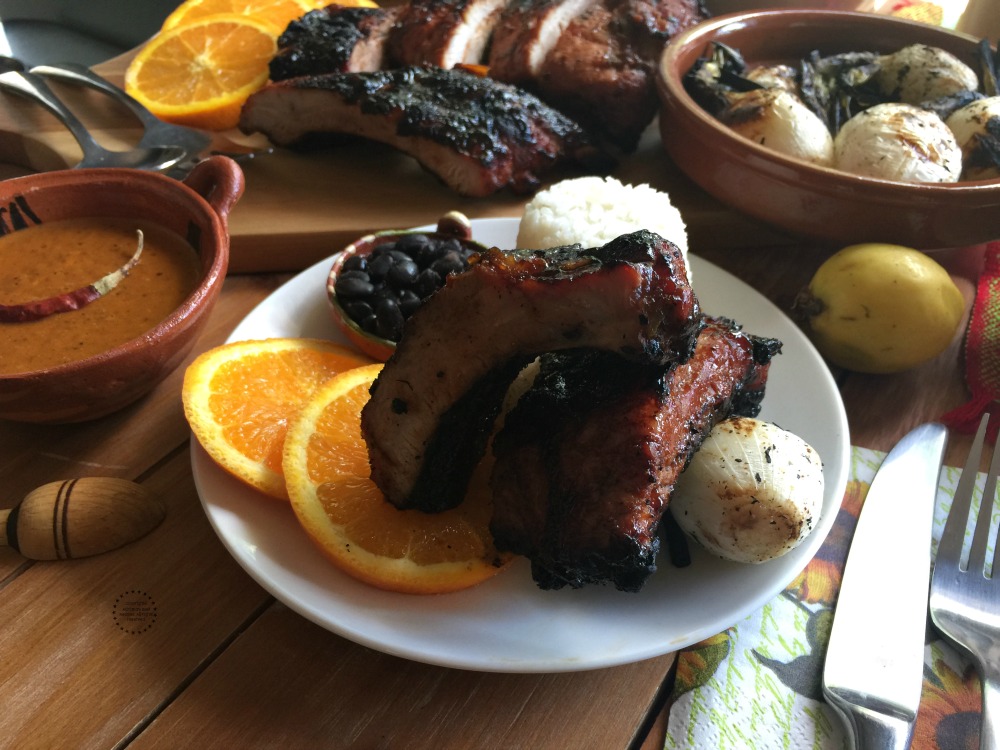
{"x":460,"y":441}
{"x":475,"y":134}
{"x":587,"y":459}
{"x":325,"y":40}
{"x":765,"y":349}
{"x":449,"y":419}
{"x":593,"y":60}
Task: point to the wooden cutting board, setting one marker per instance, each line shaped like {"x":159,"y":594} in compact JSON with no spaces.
{"x":300,"y":207}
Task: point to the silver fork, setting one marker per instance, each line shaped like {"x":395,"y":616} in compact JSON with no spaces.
{"x":965,"y":598}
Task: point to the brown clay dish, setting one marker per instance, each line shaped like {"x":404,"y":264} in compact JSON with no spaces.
{"x":196,"y":209}
{"x":804,"y":199}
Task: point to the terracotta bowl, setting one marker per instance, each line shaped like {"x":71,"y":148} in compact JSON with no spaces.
{"x":452,"y":225}
{"x":801,"y":198}
{"x":196,"y":209}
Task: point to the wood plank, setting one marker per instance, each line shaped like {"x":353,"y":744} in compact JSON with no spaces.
{"x":93,"y":646}
{"x":288,"y":683}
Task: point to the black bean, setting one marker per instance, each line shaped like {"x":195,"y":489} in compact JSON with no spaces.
{"x":382,"y":289}
{"x":355,"y":263}
{"x":452,"y":245}
{"x":409,"y":301}
{"x":450,"y":263}
{"x":383,"y":292}
{"x":430,"y":253}
{"x":358,"y":310}
{"x":412,"y":243}
{"x":369,"y":324}
{"x":402,"y":274}
{"x":352,"y":287}
{"x":390,"y":319}
{"x":379,"y":267}
{"x":383,"y":248}
{"x":428,"y":281}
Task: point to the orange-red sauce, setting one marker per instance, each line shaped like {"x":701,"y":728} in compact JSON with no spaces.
{"x":60,"y":256}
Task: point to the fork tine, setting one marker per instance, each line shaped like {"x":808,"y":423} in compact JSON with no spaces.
{"x":981,"y":536}
{"x":953,"y":537}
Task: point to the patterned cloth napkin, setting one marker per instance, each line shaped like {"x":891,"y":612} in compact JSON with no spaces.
{"x":758,"y":684}
{"x":982,"y":350}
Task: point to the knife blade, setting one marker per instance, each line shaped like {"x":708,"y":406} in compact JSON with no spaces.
{"x":874,"y":661}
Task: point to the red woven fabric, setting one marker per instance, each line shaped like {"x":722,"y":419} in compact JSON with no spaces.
{"x":982,"y":351}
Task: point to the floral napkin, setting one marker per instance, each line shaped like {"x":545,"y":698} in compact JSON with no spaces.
{"x":758,"y":684}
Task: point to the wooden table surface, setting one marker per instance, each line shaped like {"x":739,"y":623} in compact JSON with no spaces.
{"x":219,"y":662}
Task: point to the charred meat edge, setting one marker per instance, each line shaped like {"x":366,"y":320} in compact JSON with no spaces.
{"x":477,"y":135}
{"x":433,"y":406}
{"x":587,"y":459}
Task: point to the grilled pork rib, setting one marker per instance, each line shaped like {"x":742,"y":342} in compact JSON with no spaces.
{"x":334,"y":39}
{"x":433,"y":406}
{"x":525,"y":35}
{"x":602,"y":69}
{"x":594,"y":60}
{"x":444,"y":33}
{"x":587,"y":459}
{"x":477,"y":135}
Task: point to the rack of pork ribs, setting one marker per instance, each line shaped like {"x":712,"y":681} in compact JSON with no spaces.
{"x":567,"y":82}
{"x":629,"y":376}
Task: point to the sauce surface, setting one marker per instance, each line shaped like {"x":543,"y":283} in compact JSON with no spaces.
{"x":60,"y":256}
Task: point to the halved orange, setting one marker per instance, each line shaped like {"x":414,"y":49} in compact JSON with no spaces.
{"x":240,"y":397}
{"x":274,"y":13}
{"x":200,"y":74}
{"x":341,"y":509}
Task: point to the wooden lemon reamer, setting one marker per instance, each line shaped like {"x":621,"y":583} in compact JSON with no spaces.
{"x":80,"y":517}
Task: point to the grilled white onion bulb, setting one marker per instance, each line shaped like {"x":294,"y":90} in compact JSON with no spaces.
{"x":751,"y":493}
{"x":969,"y":124}
{"x":898,"y":142}
{"x":920,"y":73}
{"x":777,"y":119}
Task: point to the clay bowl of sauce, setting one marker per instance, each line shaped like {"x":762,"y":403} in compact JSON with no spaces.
{"x":62,"y":231}
{"x":379,"y":280}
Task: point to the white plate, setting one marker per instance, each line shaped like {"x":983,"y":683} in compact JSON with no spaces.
{"x":507,"y":624}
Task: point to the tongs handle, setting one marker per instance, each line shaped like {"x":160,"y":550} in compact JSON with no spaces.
{"x":81,"y":75}
{"x":33,"y":87}
{"x":155,"y":132}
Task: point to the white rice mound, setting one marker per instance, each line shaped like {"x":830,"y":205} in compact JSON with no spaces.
{"x":592,"y":211}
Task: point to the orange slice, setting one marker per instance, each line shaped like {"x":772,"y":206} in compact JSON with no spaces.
{"x":341,"y":509}
{"x":239,"y":398}
{"x":275,"y":13}
{"x":201,"y":74}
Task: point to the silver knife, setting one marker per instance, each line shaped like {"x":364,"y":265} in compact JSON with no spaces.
{"x":875,"y":659}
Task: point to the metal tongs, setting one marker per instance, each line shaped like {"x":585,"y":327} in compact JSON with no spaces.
{"x":163,"y":147}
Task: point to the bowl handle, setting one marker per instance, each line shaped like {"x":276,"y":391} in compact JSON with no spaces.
{"x":219,"y":180}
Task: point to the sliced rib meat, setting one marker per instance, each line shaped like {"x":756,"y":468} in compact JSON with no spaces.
{"x":602,"y":69}
{"x":476,"y":134}
{"x":587,"y":459}
{"x":433,"y":406}
{"x":334,"y":39}
{"x":526,"y":33}
{"x":444,"y":32}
